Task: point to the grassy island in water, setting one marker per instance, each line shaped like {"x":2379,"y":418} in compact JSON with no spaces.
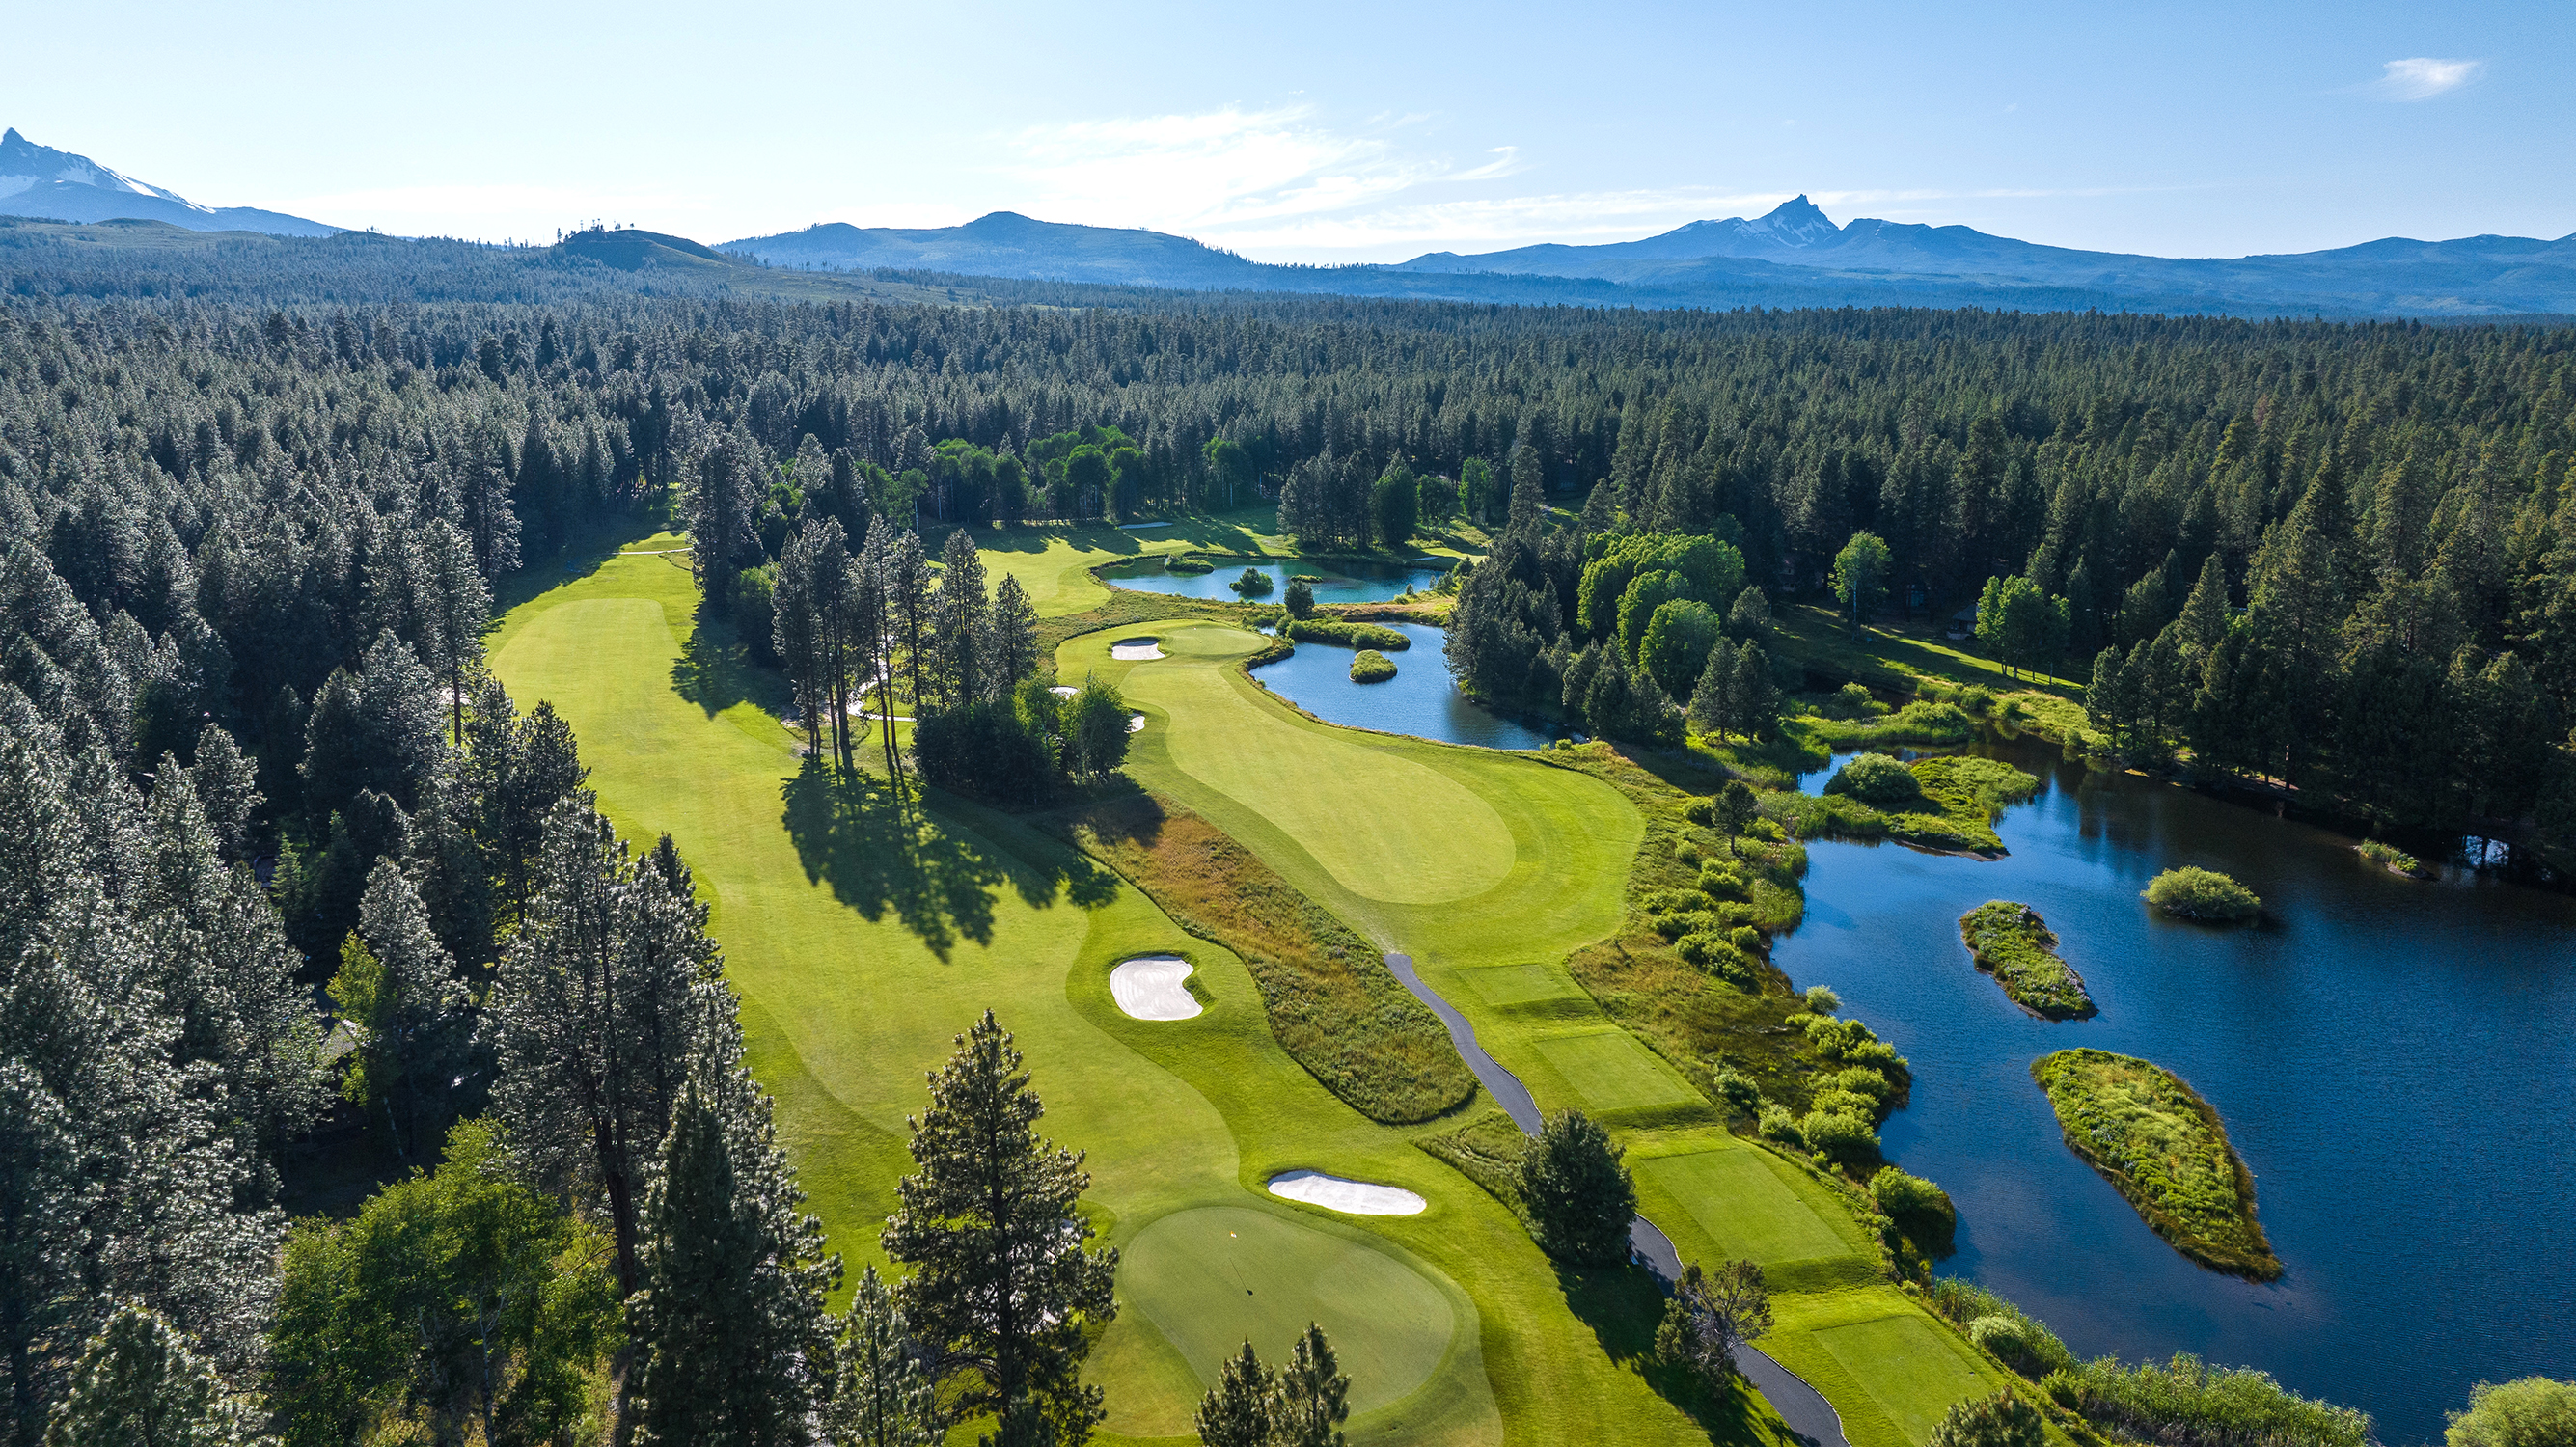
{"x":2155,"y":1139}
{"x":2012,"y":943}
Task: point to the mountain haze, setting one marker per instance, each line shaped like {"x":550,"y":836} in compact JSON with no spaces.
{"x":1793,"y":256}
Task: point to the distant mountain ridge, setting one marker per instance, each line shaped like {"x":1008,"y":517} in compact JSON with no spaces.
{"x":1794,"y":255}
{"x":41,"y":181}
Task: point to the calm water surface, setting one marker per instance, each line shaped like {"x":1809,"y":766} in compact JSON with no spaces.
{"x":1335,"y":582}
{"x":1420,"y":699}
{"x":2391,"y":1058}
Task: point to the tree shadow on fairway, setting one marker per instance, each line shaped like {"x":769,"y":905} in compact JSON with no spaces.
{"x":882,"y":854}
{"x":1623,"y":1305}
{"x":715,"y":671}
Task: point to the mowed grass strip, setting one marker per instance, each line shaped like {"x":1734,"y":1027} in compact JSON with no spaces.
{"x":1216,"y":1277}
{"x":1739,"y":1196}
{"x":1519,"y":984}
{"x":1610,"y":1069}
{"x":1911,"y":1370}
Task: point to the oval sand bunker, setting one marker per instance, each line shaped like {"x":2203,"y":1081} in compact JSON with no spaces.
{"x":1352,"y":1198}
{"x":1149,"y":988}
{"x":1136,"y":650}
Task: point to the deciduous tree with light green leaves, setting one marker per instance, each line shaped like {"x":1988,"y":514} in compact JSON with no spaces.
{"x":2019,"y":621}
{"x":1860,"y":575}
{"x":1711,"y":1317}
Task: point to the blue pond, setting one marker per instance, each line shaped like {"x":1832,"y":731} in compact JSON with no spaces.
{"x":1333,"y":582}
{"x":2391,"y":1058}
{"x":1419,"y":700}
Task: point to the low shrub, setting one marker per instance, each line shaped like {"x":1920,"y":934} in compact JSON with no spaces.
{"x":1876,"y":780}
{"x":2020,"y":1340}
{"x":1740,"y":1092}
{"x":1720,"y":957}
{"x":2529,"y":1412}
{"x":1348,"y":634}
{"x":1776,"y":1124}
{"x":1838,"y":1136}
{"x":2192,"y":892}
{"x":1835,"y":1101}
{"x":1859,"y":1080}
{"x":1722,"y":881}
{"x":2389,"y":856}
{"x":1253,"y":584}
{"x":1746,"y":938}
{"x":1686,"y":855}
{"x":2002,"y":1420}
{"x":2186,"y":1400}
{"x":1821,"y":1000}
{"x":1976,"y":700}
{"x":1371,"y":666}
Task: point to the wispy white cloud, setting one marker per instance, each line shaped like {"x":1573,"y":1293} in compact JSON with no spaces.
{"x":2423,"y":77}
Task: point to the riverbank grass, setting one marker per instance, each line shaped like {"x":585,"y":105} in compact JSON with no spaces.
{"x":2012,"y":943}
{"x":2164,"y":1149}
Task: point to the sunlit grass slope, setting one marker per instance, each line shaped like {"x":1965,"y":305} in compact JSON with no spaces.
{"x":1489,"y":869}
{"x":863,"y":939}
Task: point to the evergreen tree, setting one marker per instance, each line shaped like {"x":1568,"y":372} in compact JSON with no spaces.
{"x":1006,"y":1288}
{"x":138,"y":1385}
{"x":592,"y":1015}
{"x":1711,"y":1316}
{"x":2204,"y":613}
{"x":1752,"y":696}
{"x":796,"y":633}
{"x":458,"y":605}
{"x":1237,"y":1411}
{"x":883,"y":1395}
{"x":1712,"y":699}
{"x":1014,"y":637}
{"x":1750,"y":615}
{"x":1313,"y":1397}
{"x":962,"y":616}
{"x":397,"y":986}
{"x":727,"y":1319}
{"x":1580,"y":1197}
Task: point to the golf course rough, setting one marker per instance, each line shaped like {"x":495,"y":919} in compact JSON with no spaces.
{"x":1490,"y":869}
{"x":1152,"y":987}
{"x":862,"y":940}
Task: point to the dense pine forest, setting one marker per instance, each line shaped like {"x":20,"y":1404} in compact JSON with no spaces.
{"x":291,"y":868}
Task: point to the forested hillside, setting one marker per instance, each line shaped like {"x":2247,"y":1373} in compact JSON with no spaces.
{"x":248,"y":556}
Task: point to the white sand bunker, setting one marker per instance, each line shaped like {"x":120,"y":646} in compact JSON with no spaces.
{"x":1136,"y":650}
{"x":1135,"y":723}
{"x":1149,"y":988}
{"x":1351,"y":1198}
{"x":1064,"y":691}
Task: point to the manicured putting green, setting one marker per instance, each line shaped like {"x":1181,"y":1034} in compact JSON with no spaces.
{"x":1612,"y":1071}
{"x":1519,"y":984}
{"x":1381,"y":824}
{"x":1738,"y":1198}
{"x":1216,"y":1277}
{"x":1906,"y":1367}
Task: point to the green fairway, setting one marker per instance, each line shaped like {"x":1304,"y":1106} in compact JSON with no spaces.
{"x":1313,"y":801}
{"x":1610,"y":1070}
{"x":1214,"y":1278}
{"x":1908,"y":1367}
{"x":1521,"y":984}
{"x":862,"y":938}
{"x":1738,"y":1197}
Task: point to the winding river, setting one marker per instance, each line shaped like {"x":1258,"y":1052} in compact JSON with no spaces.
{"x":2392,"y":1058}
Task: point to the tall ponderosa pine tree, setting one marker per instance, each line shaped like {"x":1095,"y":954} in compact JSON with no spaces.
{"x":883,"y":1394}
{"x":397,"y":985}
{"x":1006,"y":1289}
{"x":1015,"y":635}
{"x":1237,"y":1411}
{"x":1578,"y":1194}
{"x":1314,"y":1398}
{"x":593,"y":1014}
{"x":732,"y":1343}
{"x":964,"y":626}
{"x":138,"y":1385}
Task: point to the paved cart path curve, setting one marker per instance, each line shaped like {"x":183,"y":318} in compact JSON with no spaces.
{"x":1801,"y":1406}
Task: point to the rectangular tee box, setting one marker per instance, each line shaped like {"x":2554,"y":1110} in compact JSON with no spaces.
{"x":1612,"y":1071}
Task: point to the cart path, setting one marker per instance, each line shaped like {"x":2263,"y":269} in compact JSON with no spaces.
{"x":1801,"y":1406}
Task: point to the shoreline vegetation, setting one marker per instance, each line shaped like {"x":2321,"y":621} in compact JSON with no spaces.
{"x":1945,"y":804}
{"x":2203,"y":896}
{"x":2165,"y":1150}
{"x":2012,"y":943}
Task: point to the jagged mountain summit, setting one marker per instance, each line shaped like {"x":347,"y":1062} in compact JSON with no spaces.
{"x":41,"y":181}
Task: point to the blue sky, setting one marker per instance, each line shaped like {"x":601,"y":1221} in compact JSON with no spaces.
{"x":1333,"y":132}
